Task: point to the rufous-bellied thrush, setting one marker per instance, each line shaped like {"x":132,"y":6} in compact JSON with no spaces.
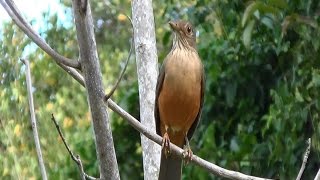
{"x":179,"y":98}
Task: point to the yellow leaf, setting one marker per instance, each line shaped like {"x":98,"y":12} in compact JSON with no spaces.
{"x":122,"y":17}
{"x":32,"y":178}
{"x":22,"y":147}
{"x":17,"y":130}
{"x":67,"y":122}
{"x":49,"y":106}
{"x":5,"y":171}
{"x":11,"y":149}
{"x":51,"y":81}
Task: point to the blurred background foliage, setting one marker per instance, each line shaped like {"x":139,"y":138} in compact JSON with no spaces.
{"x":262,"y":102}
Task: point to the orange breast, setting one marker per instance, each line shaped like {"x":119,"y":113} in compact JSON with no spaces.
{"x":179,"y":98}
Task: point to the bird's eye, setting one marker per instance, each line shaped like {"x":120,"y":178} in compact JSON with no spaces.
{"x":189,"y":30}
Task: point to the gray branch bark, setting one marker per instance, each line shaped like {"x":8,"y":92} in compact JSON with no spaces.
{"x":34,"y":121}
{"x":147,"y":69}
{"x":93,"y":82}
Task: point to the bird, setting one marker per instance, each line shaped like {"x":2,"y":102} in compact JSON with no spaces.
{"x":179,"y":98}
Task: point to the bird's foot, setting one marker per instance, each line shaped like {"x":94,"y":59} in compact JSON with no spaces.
{"x":166,"y":145}
{"x":187,"y":153}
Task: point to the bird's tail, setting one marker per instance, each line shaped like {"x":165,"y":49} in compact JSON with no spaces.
{"x":170,"y":167}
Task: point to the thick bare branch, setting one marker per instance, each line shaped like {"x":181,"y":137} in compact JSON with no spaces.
{"x":93,"y":82}
{"x":34,"y":121}
{"x":305,"y":159}
{"x":147,"y":70}
{"x":76,"y":158}
{"x":124,"y":68}
{"x":16,"y":16}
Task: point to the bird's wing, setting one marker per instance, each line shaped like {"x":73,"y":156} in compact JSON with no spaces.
{"x":158,"y":89}
{"x":196,"y":121}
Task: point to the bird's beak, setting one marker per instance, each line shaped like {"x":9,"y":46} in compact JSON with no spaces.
{"x":174,"y":25}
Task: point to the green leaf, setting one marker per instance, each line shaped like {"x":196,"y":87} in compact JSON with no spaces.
{"x":166,"y":37}
{"x":298,"y":96}
{"x":249,"y":11}
{"x":315,"y":78}
{"x":234,"y":144}
{"x":263,"y":8}
{"x":268,"y":22}
{"x":247,"y":33}
{"x":278,"y":3}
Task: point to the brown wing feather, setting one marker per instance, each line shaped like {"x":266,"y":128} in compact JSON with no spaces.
{"x":158,"y":89}
{"x":197,"y":120}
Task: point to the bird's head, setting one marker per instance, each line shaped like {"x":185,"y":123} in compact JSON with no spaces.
{"x":184,"y":34}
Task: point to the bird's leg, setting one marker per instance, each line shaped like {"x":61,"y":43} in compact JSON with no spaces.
{"x":166,"y":143}
{"x":187,"y":153}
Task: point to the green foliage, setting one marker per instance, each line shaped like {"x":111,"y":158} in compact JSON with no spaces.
{"x":261,"y":101}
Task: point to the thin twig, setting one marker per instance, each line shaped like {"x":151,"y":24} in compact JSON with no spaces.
{"x":16,"y":16}
{"x":305,"y":159}
{"x":73,"y":157}
{"x":34,"y":121}
{"x":125,"y":66}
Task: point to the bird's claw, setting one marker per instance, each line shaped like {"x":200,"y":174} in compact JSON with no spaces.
{"x":166,"y":145}
{"x":187,"y":154}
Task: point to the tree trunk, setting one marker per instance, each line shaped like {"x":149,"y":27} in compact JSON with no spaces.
{"x":93,"y":83}
{"x":147,"y":68}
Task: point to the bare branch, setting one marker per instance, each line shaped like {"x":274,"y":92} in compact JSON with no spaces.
{"x":318,"y":175}
{"x":305,"y":159}
{"x":93,"y":81}
{"x":16,"y":16}
{"x":76,"y":158}
{"x":74,"y":73}
{"x":34,"y":121}
{"x":125,"y":66}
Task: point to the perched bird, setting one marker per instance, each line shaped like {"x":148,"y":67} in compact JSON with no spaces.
{"x":179,"y":98}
